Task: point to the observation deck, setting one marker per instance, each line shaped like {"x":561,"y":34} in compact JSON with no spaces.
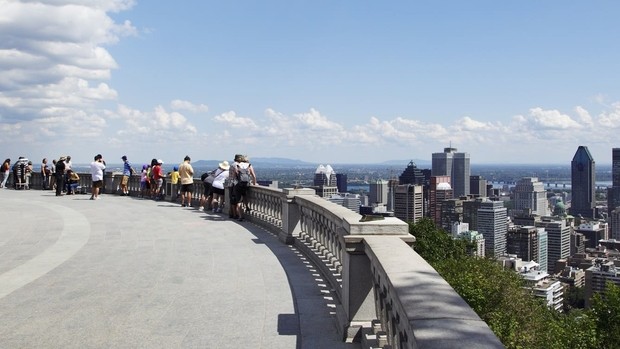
{"x":300,"y":272}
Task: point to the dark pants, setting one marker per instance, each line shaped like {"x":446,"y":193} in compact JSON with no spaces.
{"x":60,"y":183}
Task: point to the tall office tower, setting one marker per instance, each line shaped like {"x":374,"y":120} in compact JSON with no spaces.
{"x":392,"y":183}
{"x":378,"y":192}
{"x":530,"y":197}
{"x":614,"y":223}
{"x":583,"y":178}
{"x":408,"y":200}
{"x":411,"y":175}
{"x":613,"y":192}
{"x":558,"y":236}
{"x":348,"y":200}
{"x":325,"y":182}
{"x":342,"y":182}
{"x":470,"y":212}
{"x":451,"y":213}
{"x":438,"y":191}
{"x":456,"y":166}
{"x":493,"y":225}
{"x":477,"y":186}
{"x":528,"y":243}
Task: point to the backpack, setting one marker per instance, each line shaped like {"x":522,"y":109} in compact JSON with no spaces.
{"x":243,"y":175}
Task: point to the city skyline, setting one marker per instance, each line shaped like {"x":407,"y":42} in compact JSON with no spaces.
{"x":323,"y":82}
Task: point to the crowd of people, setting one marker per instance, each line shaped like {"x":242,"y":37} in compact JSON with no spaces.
{"x":61,"y":177}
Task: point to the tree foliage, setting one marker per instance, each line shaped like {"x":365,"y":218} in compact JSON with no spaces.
{"x":517,"y":318}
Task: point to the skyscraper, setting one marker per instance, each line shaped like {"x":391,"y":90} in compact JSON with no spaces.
{"x":528,"y":243}
{"x":583,"y":179}
{"x":325,"y":182}
{"x":438,"y":191}
{"x":378,"y":192}
{"x":477,"y":186}
{"x":493,"y":225}
{"x":342,"y":182}
{"x":613,"y":193}
{"x":558,"y":240}
{"x":408,"y":201}
{"x":456,"y":166}
{"x":530,"y":197}
{"x":411,"y":175}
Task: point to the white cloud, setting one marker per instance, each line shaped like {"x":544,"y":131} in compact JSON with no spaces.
{"x":231,"y":119}
{"x":178,"y":104}
{"x":552,"y":119}
{"x":611,"y":118}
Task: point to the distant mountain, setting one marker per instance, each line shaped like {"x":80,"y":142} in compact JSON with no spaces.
{"x":281,"y":161}
{"x":419,"y":162}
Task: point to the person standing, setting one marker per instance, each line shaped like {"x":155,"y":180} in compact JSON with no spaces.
{"x":45,"y":174}
{"x":158,"y":179}
{"x":127,"y":172}
{"x":244,"y":176}
{"x":60,"y":175}
{"x":6,"y":171}
{"x":96,"y":171}
{"x":186,"y":176}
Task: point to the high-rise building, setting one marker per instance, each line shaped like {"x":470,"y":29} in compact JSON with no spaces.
{"x":613,"y":193}
{"x":408,"y":201}
{"x":456,"y":166}
{"x":378,"y":192}
{"x":439,"y":190}
{"x":493,"y":225}
{"x":528,"y":243}
{"x":451,"y":213}
{"x":325,"y":182}
{"x":530,"y":197}
{"x":348,"y":200}
{"x":597,"y":276}
{"x":470,"y":212}
{"x":558,"y":236}
{"x":614,"y":223}
{"x":593,"y":233}
{"x":461,"y":231}
{"x":583,"y":179}
{"x":342,"y":182}
{"x":392,"y":183}
{"x":477,"y":186}
{"x":411,"y":175}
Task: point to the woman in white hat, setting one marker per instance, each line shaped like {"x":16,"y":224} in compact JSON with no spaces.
{"x":221,"y":174}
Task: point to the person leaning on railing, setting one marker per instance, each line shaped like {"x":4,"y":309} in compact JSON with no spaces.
{"x":243,"y":176}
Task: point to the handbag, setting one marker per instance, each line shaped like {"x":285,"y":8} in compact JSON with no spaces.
{"x":211,"y":177}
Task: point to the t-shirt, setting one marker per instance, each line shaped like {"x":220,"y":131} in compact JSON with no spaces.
{"x":127,"y":169}
{"x":220,"y":178}
{"x":174,"y":177}
{"x":157,"y":173}
{"x":186,"y":173}
{"x":96,"y":170}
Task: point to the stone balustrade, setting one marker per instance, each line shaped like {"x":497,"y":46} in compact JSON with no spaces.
{"x":387,"y":295}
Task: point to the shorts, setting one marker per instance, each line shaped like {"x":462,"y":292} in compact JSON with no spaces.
{"x":218,"y":191}
{"x":159,"y":183}
{"x":144,"y":185}
{"x":98,"y":184}
{"x":187,"y":188}
{"x":208,"y":189}
{"x":124,"y":180}
{"x":239,"y":192}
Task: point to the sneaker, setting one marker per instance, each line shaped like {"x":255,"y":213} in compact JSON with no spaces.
{"x":183,"y":205}
{"x":219,"y":210}
{"x":201,"y":208}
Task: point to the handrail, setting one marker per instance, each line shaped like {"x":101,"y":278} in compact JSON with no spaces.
{"x":387,"y":295}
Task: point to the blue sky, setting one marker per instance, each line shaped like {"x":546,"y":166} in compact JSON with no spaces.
{"x":320,"y":81}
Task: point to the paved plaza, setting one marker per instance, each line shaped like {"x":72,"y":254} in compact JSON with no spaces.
{"x":122,"y":272}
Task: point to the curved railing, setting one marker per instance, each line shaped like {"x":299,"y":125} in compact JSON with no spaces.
{"x":387,"y":295}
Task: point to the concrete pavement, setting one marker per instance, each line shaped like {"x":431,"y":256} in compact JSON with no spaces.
{"x":121,"y":272}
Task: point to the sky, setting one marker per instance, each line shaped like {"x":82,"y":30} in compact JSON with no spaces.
{"x":320,"y":81}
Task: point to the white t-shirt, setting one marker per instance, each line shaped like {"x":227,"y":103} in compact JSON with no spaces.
{"x":96,"y":170}
{"x":220,"y":179}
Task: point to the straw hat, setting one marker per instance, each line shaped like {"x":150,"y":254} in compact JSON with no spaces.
{"x":224,"y":165}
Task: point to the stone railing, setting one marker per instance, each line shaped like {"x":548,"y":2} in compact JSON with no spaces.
{"x":387,"y":295}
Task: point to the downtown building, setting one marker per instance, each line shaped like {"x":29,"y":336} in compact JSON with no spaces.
{"x":408,"y":202}
{"x":477,"y":186}
{"x":378,"y":192}
{"x":528,"y":243}
{"x":454,"y":165}
{"x":530,"y":197}
{"x":583,"y":178}
{"x":613,"y":195}
{"x":438,"y":192}
{"x":461,"y":231}
{"x":558,"y":240}
{"x":325,"y":181}
{"x":597,"y":276}
{"x":493,"y":225}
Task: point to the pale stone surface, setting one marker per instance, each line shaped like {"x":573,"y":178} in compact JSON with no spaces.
{"x":152,"y":275}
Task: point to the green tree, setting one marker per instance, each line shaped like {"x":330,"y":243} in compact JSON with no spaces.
{"x":606,"y":312}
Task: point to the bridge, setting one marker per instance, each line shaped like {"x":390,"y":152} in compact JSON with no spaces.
{"x":300,"y":272}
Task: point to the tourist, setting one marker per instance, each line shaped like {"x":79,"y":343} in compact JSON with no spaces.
{"x":127,"y":172}
{"x":217,"y":188}
{"x":60,"y":175}
{"x":96,"y":171}
{"x":28,"y":173}
{"x":53,"y":175}
{"x":144,"y":181}
{"x":174,"y":182}
{"x":207,"y":191}
{"x":186,"y":176}
{"x":243,"y":176}
{"x":158,"y":179}
{"x":73,"y":180}
{"x":5,"y":170}
{"x":45,"y":174}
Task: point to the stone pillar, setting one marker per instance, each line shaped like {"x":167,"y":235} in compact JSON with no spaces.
{"x":357,"y":288}
{"x":290,"y":214}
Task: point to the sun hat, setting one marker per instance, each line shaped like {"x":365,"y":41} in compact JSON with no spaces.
{"x":160,"y":161}
{"x":224,"y":165}
{"x":62,"y":158}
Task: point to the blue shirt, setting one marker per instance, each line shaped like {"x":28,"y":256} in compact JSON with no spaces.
{"x":126,"y":169}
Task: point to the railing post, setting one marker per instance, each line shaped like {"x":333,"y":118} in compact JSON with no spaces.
{"x":291,"y":226}
{"x":357,"y":288}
